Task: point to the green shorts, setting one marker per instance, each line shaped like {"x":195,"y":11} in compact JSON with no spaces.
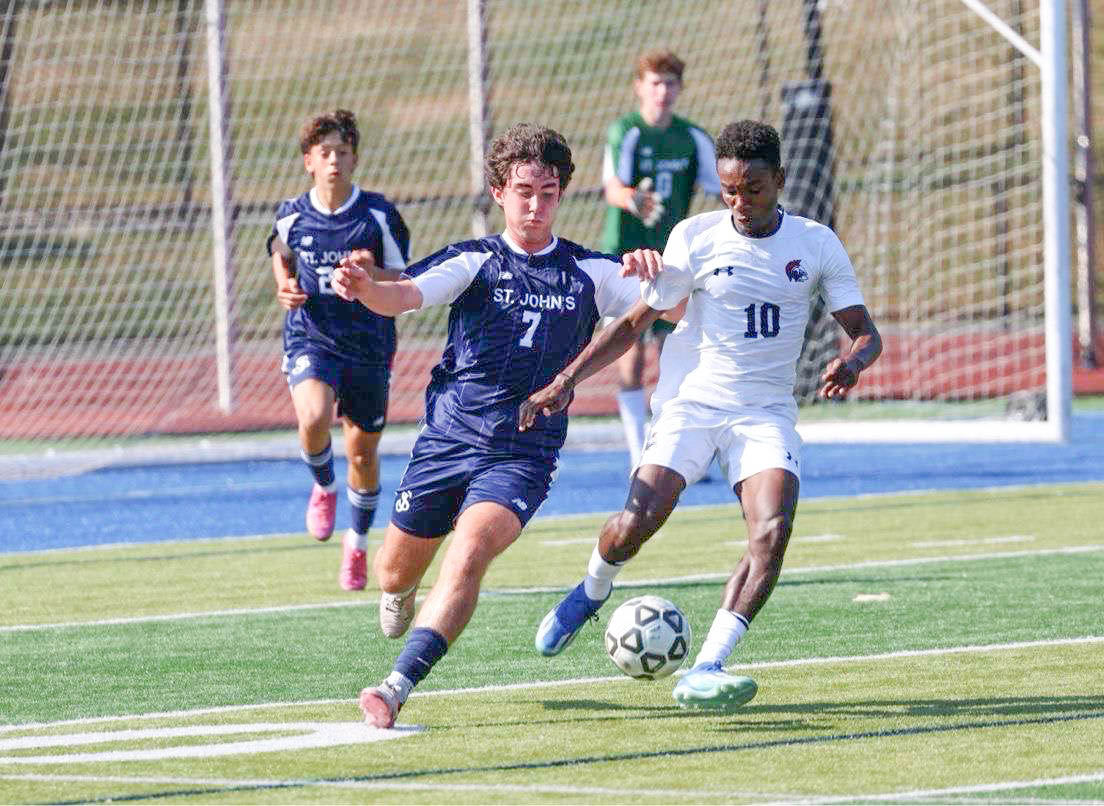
{"x":661,"y":327}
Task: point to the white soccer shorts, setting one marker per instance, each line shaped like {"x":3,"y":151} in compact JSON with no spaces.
{"x":685,"y":436}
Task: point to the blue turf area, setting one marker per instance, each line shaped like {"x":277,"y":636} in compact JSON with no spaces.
{"x":173,"y":502}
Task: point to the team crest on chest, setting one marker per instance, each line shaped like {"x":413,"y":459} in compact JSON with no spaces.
{"x":795,"y":272}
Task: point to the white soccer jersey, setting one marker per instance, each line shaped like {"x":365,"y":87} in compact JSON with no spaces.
{"x":740,"y":339}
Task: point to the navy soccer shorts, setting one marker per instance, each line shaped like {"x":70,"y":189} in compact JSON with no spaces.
{"x":361,"y":389}
{"x":445,"y":477}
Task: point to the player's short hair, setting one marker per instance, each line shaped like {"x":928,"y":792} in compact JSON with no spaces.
{"x":527,"y":142}
{"x":319,"y":127}
{"x":659,"y":61}
{"x":750,"y":140}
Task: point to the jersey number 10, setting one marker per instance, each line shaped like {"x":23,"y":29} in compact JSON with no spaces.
{"x":770,"y":316}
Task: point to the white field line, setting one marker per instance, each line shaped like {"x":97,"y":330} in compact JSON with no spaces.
{"x":919,"y":653}
{"x":999,"y":786}
{"x":571,"y":541}
{"x":538,"y":684}
{"x":249,"y":611}
{"x":977,"y":541}
{"x":826,"y":538}
{"x":672,"y":794}
{"x":641,"y":583}
{"x":916,"y":794}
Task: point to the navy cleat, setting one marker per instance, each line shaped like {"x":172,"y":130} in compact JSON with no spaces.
{"x":563,"y":622}
{"x":709,"y":686}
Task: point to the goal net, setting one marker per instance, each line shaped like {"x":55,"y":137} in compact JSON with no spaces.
{"x":144,"y":146}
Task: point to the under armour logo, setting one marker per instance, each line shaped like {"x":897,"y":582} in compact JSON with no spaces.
{"x":727,"y":270}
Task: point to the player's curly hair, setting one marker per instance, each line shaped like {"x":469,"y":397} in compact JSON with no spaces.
{"x":659,"y":61}
{"x":750,"y":140}
{"x":528,"y":142}
{"x":318,"y":127}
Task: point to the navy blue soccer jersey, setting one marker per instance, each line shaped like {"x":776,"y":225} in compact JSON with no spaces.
{"x":315,"y":240}
{"x":515,"y":321}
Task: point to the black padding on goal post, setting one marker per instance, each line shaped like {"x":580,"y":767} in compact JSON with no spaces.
{"x":807,"y":157}
{"x":807,"y":149}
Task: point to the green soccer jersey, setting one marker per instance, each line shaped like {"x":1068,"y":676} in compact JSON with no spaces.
{"x":677,"y":159}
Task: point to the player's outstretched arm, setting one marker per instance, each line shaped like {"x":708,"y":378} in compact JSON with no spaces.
{"x":609,"y":345}
{"x":354,"y":279}
{"x":842,"y":373}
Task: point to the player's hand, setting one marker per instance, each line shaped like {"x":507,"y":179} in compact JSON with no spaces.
{"x":646,"y":204}
{"x":645,"y":264}
{"x":289,"y":295}
{"x":350,"y":280}
{"x":552,"y":398}
{"x":839,"y":377}
{"x":364,"y":259}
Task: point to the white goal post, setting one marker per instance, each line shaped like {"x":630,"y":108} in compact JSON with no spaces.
{"x":145,"y":144}
{"x":1050,"y":59}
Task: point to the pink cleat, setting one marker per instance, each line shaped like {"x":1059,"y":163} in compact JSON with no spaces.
{"x":354,"y":564}
{"x":380,"y":705}
{"x":321,"y":511}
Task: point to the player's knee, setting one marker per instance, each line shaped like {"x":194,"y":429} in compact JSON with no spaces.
{"x":363,"y":461}
{"x":389,"y":573}
{"x":768,"y":536}
{"x":632,"y":528}
{"x":313,"y":421}
{"x":466,"y":568}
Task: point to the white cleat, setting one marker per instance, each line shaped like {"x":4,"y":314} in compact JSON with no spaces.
{"x":709,"y":686}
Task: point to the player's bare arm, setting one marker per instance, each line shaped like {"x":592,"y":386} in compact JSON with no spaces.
{"x":353,"y":280}
{"x":842,"y":372}
{"x":288,"y":293}
{"x":609,"y":345}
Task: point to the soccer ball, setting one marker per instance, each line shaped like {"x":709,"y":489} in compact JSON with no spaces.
{"x":648,"y":637}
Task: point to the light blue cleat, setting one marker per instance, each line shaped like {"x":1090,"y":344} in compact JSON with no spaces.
{"x":709,"y":686}
{"x":563,"y":622}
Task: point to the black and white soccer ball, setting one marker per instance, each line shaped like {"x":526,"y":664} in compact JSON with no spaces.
{"x":648,"y":637}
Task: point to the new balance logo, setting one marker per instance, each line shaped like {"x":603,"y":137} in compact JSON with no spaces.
{"x":302,"y":364}
{"x":506,"y":276}
{"x":307,"y":240}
